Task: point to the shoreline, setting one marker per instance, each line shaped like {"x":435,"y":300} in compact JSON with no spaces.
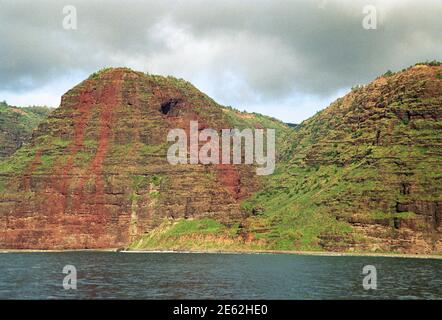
{"x":301,"y":253}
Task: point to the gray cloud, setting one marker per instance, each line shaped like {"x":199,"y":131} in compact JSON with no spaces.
{"x":245,"y":52}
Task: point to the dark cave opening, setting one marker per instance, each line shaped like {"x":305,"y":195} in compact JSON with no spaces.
{"x":167,"y":106}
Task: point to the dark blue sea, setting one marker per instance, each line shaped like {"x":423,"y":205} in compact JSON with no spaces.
{"x":112,"y":275}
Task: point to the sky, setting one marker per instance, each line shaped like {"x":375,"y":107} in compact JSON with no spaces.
{"x":287,"y":59}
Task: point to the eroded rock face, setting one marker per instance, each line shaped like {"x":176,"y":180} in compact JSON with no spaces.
{"x":95,"y":174}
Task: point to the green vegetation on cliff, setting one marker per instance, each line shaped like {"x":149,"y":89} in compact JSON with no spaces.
{"x":364,"y":174}
{"x":100,"y":161}
{"x":16,"y":126}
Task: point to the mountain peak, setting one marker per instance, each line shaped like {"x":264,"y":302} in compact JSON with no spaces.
{"x":119,"y":87}
{"x":115,"y":73}
{"x":124,"y":73}
{"x":101,"y":161}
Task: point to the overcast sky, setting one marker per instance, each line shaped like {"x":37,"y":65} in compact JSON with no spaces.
{"x":287,"y":59}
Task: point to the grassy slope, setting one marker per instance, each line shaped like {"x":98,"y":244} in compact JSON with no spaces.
{"x":339,"y":173}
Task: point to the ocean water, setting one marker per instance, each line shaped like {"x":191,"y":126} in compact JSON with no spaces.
{"x":109,"y":275}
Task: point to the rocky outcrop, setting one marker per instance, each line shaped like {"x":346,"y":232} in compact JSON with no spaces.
{"x":95,"y":174}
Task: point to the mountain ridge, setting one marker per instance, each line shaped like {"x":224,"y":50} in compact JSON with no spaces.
{"x":371,"y":161}
{"x":362,"y":175}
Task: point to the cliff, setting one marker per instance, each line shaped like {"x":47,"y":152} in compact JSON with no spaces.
{"x":95,"y":173}
{"x":364,"y":174}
